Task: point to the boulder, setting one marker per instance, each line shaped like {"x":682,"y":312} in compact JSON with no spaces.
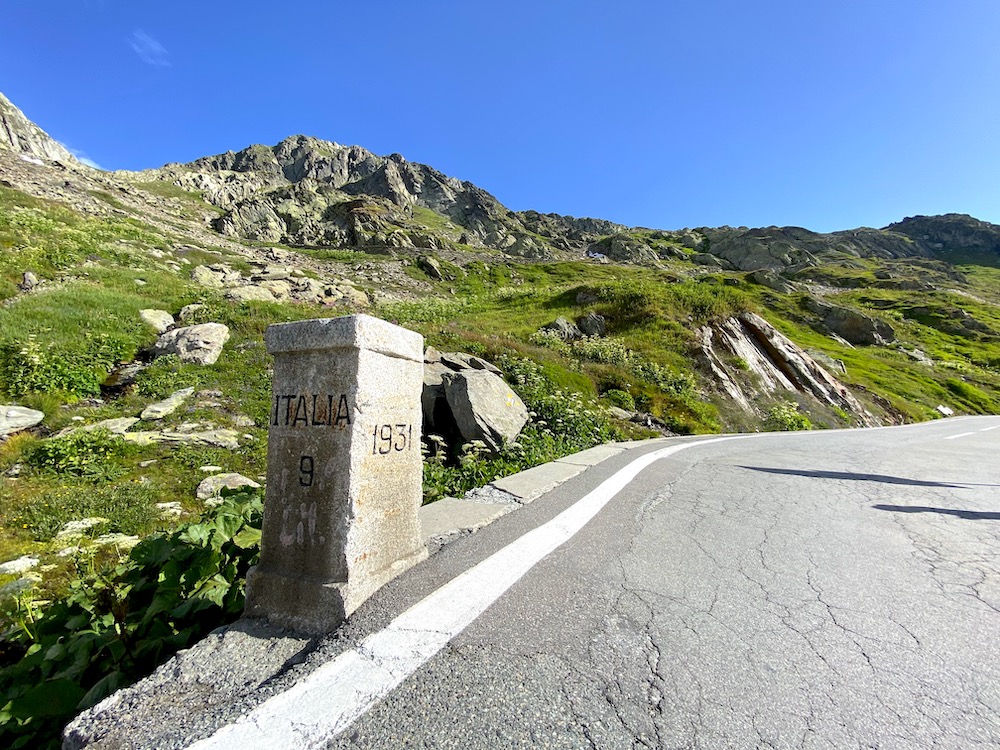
{"x":564,"y":329}
{"x":279,"y":288}
{"x":431,"y":267}
{"x":201,"y":344}
{"x":593,"y":324}
{"x":432,"y":397}
{"x":16,"y":418}
{"x":250,"y":294}
{"x":122,"y":377}
{"x":116,"y":426}
{"x":484,"y":407}
{"x":206,"y":277}
{"x":159,"y":320}
{"x":28,"y":281}
{"x":216,"y":276}
{"x":213,"y":486}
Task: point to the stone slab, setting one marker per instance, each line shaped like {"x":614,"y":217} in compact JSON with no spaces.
{"x":451,"y":515}
{"x":16,"y":418}
{"x":352,"y":332}
{"x":592,"y":456}
{"x":531,"y":484}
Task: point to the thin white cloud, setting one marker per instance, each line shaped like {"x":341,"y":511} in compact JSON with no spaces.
{"x":81,"y":156}
{"x":149,"y":50}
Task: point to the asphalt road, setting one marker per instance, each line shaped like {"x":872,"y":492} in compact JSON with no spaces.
{"x":824,"y":590}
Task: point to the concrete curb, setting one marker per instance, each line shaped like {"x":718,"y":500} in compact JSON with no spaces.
{"x":449,"y":518}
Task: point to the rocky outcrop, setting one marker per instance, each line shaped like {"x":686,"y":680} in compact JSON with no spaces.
{"x":852,"y":326}
{"x":158,"y":320}
{"x":771,"y":280}
{"x":270,"y":283}
{"x":307,"y":191}
{"x":950,"y":233}
{"x":747,"y":345}
{"x":21,"y":135}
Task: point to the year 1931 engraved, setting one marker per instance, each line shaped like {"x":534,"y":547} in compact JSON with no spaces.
{"x":388,"y":438}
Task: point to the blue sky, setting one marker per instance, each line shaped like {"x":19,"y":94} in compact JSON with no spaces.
{"x":668,"y":114}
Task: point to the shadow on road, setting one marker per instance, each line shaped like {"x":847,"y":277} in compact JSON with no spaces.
{"x":968,"y":515}
{"x":863,"y":477}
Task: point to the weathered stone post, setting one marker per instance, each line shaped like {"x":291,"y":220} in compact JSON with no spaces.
{"x":343,"y":469}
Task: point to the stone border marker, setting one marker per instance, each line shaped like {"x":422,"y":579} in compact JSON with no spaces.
{"x":343,"y":469}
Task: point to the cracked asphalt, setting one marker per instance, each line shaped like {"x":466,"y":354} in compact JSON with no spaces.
{"x":836,"y":589}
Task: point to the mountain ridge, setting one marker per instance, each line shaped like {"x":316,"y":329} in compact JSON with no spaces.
{"x":255,"y":185}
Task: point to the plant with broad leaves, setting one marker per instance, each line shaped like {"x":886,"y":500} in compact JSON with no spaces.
{"x":118,"y":624}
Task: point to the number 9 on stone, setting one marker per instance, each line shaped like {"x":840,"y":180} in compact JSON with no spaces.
{"x":306,"y":471}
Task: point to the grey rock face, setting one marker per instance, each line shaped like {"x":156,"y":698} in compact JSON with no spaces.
{"x":430,"y":266}
{"x":16,"y":418}
{"x":771,"y":280}
{"x":775,"y":363}
{"x":485,"y":407}
{"x":201,"y":344}
{"x":462,"y":361}
{"x":21,"y":135}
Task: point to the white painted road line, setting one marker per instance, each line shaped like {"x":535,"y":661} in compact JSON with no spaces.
{"x":987,"y":429}
{"x":334,"y":696}
{"x":961,"y":435}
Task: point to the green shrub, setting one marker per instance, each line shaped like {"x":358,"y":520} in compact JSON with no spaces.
{"x":621,"y":399}
{"x":93,"y":454}
{"x":786,"y":417}
{"x":28,"y":366}
{"x":118,"y":624}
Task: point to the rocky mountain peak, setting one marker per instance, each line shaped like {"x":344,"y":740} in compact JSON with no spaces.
{"x":21,"y":135}
{"x":950,"y":233}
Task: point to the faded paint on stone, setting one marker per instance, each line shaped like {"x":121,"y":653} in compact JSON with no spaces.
{"x":344,"y":469}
